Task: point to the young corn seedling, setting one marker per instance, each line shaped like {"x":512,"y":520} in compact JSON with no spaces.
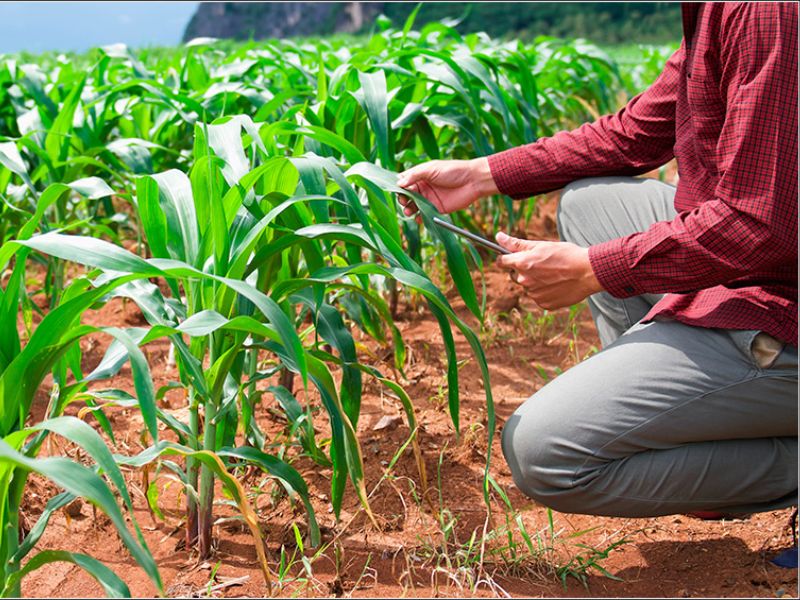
{"x":53,"y":348}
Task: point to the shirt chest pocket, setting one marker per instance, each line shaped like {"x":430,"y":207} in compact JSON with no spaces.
{"x":707,"y":117}
{"x":703,"y":95}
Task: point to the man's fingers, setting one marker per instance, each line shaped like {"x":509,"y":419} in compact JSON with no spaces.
{"x":514,"y":244}
{"x":417,"y":179}
{"x":412,"y":176}
{"x":409,"y":207}
{"x":549,"y":297}
{"x":510,"y":261}
{"x":404,"y":179}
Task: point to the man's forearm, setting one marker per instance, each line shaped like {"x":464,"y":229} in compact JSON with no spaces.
{"x":596,"y":149}
{"x":636,"y":139}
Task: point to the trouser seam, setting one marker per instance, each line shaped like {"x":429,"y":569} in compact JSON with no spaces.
{"x":704,"y":502}
{"x":747,"y":379}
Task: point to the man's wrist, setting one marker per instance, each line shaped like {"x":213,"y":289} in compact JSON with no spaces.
{"x":591,"y":282}
{"x":482,"y":177}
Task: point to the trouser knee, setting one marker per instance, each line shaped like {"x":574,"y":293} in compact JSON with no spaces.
{"x":541,"y":465}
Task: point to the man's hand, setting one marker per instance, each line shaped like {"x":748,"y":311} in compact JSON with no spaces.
{"x":555,"y":274}
{"x":449,"y":184}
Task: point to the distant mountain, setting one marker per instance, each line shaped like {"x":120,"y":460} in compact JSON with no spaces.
{"x":260,"y":20}
{"x":603,"y":22}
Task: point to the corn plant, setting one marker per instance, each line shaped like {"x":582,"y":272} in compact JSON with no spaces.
{"x":53,"y":348}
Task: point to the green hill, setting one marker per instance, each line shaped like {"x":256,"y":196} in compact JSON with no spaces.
{"x":601,"y":22}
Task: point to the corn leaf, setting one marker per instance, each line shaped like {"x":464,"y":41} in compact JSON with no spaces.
{"x":113,"y":586}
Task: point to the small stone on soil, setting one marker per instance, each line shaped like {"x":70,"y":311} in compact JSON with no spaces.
{"x":387,"y":422}
{"x":506,"y":303}
{"x":74,"y":509}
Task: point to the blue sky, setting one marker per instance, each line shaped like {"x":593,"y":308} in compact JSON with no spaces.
{"x":78,"y":26}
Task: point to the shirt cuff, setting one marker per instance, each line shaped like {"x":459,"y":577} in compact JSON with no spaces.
{"x":608,"y":263}
{"x":509,"y":173}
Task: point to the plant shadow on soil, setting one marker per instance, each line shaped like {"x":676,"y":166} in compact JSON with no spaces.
{"x":667,"y":556}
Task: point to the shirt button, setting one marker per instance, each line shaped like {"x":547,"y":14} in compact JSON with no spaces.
{"x":628,"y":289}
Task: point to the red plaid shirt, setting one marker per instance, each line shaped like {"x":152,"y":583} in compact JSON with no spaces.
{"x":725,"y":107}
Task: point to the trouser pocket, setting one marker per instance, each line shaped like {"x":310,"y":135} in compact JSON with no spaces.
{"x":766,"y":350}
{"x":760,"y":348}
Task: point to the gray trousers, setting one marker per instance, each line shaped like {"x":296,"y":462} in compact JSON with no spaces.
{"x":666,"y":418}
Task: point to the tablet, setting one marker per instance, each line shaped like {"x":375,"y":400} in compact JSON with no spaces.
{"x":471,"y":236}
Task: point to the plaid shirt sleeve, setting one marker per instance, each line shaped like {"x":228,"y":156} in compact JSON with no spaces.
{"x":635,"y":140}
{"x":750,"y":223}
